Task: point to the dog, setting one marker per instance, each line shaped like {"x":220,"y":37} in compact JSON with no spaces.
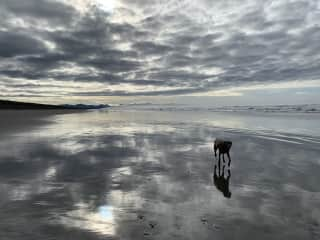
{"x":223,"y":147}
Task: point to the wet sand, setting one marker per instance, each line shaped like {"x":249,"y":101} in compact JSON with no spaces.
{"x":15,"y":121}
{"x":136,"y":175}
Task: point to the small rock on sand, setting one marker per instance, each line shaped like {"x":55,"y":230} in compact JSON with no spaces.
{"x":204,"y":220}
{"x":152,"y":225}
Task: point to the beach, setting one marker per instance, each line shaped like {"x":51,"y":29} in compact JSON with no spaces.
{"x":152,"y":174}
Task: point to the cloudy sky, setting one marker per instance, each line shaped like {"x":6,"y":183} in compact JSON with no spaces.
{"x":204,"y":51}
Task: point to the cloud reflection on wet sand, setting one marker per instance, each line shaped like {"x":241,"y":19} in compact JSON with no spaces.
{"x":91,"y":176}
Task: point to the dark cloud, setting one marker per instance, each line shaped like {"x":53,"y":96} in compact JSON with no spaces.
{"x":178,"y":47}
{"x":150,"y":48}
{"x":16,"y":44}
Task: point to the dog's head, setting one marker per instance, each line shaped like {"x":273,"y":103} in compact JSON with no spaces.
{"x":227,"y":194}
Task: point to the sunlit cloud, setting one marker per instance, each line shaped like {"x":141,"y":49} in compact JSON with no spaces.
{"x":107,"y":5}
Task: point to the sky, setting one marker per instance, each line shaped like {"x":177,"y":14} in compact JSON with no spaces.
{"x":221,"y":52}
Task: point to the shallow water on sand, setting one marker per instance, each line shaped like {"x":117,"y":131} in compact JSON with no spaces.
{"x":135,"y":175}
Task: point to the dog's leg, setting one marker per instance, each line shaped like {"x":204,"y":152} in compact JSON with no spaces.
{"x":229,"y":159}
{"x":223,"y":170}
{"x":215,"y":150}
{"x":215,"y":170}
{"x":223,"y":158}
{"x":229,"y":175}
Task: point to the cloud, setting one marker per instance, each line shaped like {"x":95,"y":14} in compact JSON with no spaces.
{"x":150,"y":48}
{"x":172,"y":48}
{"x":39,"y":10}
{"x":15,"y":44}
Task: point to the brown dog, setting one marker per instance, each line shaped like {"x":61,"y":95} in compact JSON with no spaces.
{"x":223,"y":147}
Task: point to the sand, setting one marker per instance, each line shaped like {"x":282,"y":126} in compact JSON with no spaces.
{"x":152,"y":175}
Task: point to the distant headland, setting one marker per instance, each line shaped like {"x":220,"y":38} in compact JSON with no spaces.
{"x":13,"y":105}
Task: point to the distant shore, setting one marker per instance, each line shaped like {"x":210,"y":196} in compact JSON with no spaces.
{"x":13,"y":105}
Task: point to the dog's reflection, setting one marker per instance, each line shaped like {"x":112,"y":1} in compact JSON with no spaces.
{"x":220,"y":181}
